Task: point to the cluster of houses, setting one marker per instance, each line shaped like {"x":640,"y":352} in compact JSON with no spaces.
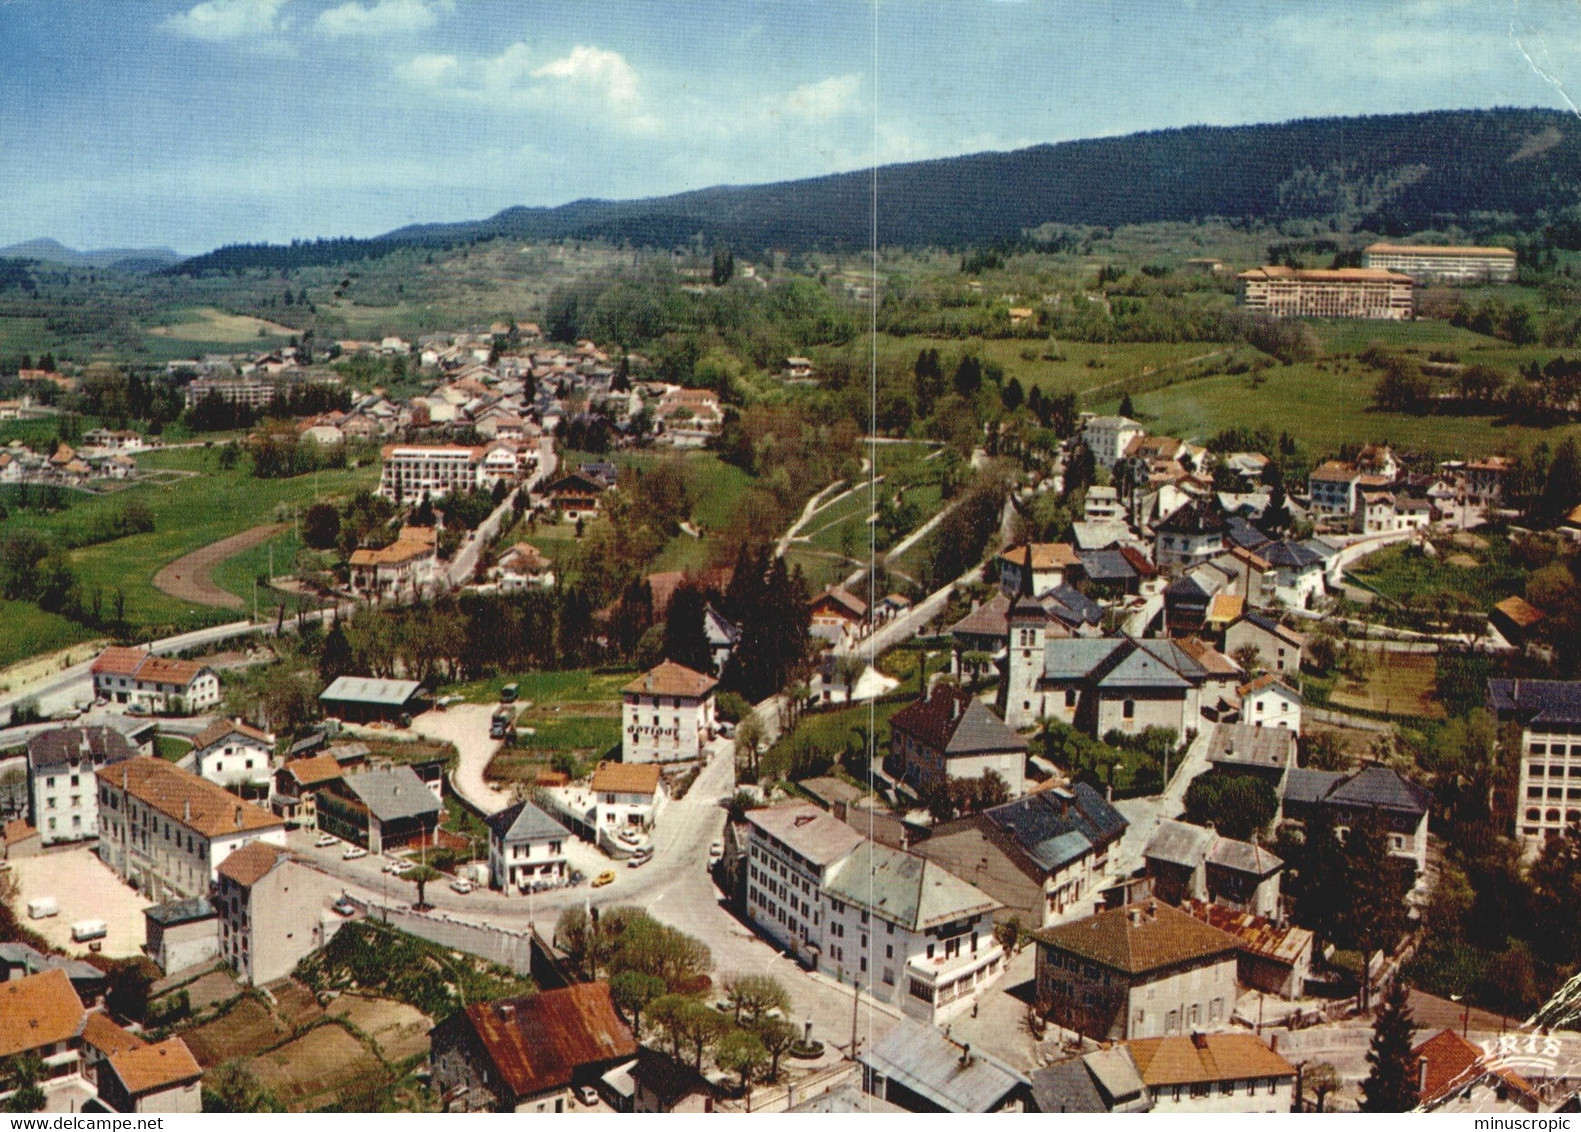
{"x":102,"y":455}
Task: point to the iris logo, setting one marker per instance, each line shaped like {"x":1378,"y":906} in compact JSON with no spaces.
{"x":1522,"y":1052}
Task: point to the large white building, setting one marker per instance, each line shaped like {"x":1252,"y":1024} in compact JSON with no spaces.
{"x":1440,"y":263}
{"x":1346,"y":292}
{"x":413,"y":470}
{"x":526,"y":849}
{"x":667,"y":714}
{"x":234,"y":754}
{"x":61,"y":786}
{"x":898,"y":925}
{"x":1109,"y":437}
{"x":1548,"y":792}
{"x":124,"y":675}
{"x":166,"y":831}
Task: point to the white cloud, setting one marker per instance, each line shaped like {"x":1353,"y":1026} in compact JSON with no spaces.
{"x":597,"y":72}
{"x":431,"y":70}
{"x":220,"y":20}
{"x":825,"y":98}
{"x":385,"y":17}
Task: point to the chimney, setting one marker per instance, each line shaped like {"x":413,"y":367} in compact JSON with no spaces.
{"x":1421,"y":1076}
{"x":186,"y":811}
{"x":1199,"y":1040}
{"x":238,"y":817}
{"x":1134,"y":914}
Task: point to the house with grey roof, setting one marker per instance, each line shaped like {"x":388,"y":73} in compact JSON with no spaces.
{"x":385,"y":808}
{"x":1346,"y":796}
{"x":1191,"y":862}
{"x":905,"y":929}
{"x":181,"y":933}
{"x":1105,"y":1080}
{"x":526,"y":849}
{"x":362,"y":699}
{"x":62,"y":796}
{"x":950,"y":733}
{"x":1046,"y":857}
{"x":1099,"y":684}
{"x":922,"y":1069}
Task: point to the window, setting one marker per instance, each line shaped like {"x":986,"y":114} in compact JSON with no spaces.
{"x":1070,"y":697}
{"x":1128,"y":709}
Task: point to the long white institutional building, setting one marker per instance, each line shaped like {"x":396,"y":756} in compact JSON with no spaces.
{"x":1441,"y":263}
{"x":1346,"y":292}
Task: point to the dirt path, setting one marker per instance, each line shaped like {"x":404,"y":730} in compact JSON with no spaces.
{"x":187,"y":578}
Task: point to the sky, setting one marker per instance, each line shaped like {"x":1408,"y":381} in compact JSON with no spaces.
{"x":133,"y":123}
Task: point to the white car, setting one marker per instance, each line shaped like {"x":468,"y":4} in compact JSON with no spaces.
{"x":629,"y":836}
{"x":353,"y":852}
{"x":588,"y":1094}
{"x":716,"y":850}
{"x":325,"y":840}
{"x":461,"y":885}
{"x":402,"y":868}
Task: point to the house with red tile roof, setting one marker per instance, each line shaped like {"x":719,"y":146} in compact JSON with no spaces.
{"x":667,"y":714}
{"x":1456,"y":1075}
{"x":125,"y":675}
{"x":234,"y":754}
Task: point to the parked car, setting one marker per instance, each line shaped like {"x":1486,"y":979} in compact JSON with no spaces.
{"x":344,"y":907}
{"x":639,"y":860}
{"x":325,"y":840}
{"x":726,"y":728}
{"x":508,"y":694}
{"x":629,"y":835}
{"x":353,"y":852}
{"x":461,"y":885}
{"x":716,"y":850}
{"x":402,"y":868}
{"x":588,"y":1094}
{"x":603,"y":878}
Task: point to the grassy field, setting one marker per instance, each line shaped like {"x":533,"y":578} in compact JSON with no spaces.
{"x":189,"y":513}
{"x":211,"y":325}
{"x":171,"y":748}
{"x":576,"y":685}
{"x":30,"y":631}
{"x":1397,"y":684}
{"x":236,"y":575}
{"x":577,"y":711}
{"x":832,"y":733}
{"x":1477,"y":571}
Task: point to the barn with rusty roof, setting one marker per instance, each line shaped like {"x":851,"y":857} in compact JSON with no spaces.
{"x":528,"y":1054}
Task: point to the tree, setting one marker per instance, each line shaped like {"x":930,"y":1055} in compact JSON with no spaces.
{"x":741,"y":1052}
{"x":632,"y":991}
{"x":1126,"y":408}
{"x":1320,"y":1080}
{"x":756,"y":996}
{"x":691,"y":1026}
{"x":321,"y":526}
{"x":1391,"y":1084}
{"x":1323,"y":750}
{"x":1556,"y":897}
{"x":1237,"y":805}
{"x":1249,"y":657}
{"x":685,"y":637}
{"x":23,"y":1072}
{"x":777,"y":1036}
{"x":235,"y":1088}
{"x":422,"y":876}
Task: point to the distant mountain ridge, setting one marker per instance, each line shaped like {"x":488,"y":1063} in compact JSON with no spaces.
{"x":1394,"y":174}
{"x":135,"y":260}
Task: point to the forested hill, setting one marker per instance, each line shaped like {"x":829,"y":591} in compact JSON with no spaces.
{"x":1393,"y":174}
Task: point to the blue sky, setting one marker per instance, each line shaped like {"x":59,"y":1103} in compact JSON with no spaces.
{"x":193,"y":124}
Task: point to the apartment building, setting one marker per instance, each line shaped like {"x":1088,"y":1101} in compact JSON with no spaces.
{"x":413,"y":470}
{"x":1348,"y":292}
{"x":898,"y":925}
{"x":61,"y":787}
{"x":1441,"y":263}
{"x":1548,"y":792}
{"x":273,"y":910}
{"x":126,"y":675}
{"x":526,"y":849}
{"x":166,"y":831}
{"x":407,"y":566}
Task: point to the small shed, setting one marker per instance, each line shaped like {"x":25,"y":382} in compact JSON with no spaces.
{"x":365,"y":699}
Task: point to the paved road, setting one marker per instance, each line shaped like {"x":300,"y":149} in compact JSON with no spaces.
{"x":1145,"y":815}
{"x":467,"y":726}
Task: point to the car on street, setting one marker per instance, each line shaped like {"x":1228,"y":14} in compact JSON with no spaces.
{"x":353,"y":852}
{"x":603,"y":878}
{"x":640,"y":859}
{"x":727,"y":729}
{"x":344,"y":907}
{"x":716,"y":850}
{"x":402,"y":868}
{"x":325,"y":840}
{"x":588,"y":1094}
{"x":629,"y":836}
{"x":461,"y":885}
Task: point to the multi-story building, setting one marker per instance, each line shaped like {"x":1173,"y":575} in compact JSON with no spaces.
{"x":41,"y":1016}
{"x":382,"y":809}
{"x":125,"y":675}
{"x":1046,"y":562}
{"x":1191,"y":535}
{"x":1440,"y":263}
{"x":406,"y":567}
{"x":166,"y":831}
{"x":1045,"y":857}
{"x":897,"y":924}
{"x":1196,"y":1073}
{"x":950,"y":733}
{"x":526,"y":849}
{"x":1548,"y":793}
{"x":273,"y":910}
{"x":1098,"y":684}
{"x":1346,"y":292}
{"x":1379,"y":791}
{"x":61,"y":787}
{"x":1141,"y":970}
{"x":667,"y":714}
{"x":252,"y":392}
{"x":1109,"y":437}
{"x":412,"y":471}
{"x":233,"y":754}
